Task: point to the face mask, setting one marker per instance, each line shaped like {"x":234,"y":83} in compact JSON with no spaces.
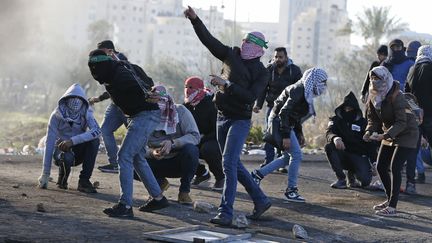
{"x":101,"y":72}
{"x":349,"y":116}
{"x":74,"y":104}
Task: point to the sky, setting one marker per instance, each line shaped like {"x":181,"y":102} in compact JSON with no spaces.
{"x":413,"y":12}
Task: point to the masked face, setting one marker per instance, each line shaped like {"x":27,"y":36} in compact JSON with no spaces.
{"x":349,"y":114}
{"x":100,"y":71}
{"x":74,"y":104}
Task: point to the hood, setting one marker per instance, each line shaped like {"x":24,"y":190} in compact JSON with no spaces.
{"x":75,"y":90}
{"x":349,"y":100}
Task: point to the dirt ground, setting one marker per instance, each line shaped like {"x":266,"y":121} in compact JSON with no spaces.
{"x":329,"y":215}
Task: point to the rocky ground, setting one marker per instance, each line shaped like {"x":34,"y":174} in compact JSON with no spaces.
{"x":329,"y":215}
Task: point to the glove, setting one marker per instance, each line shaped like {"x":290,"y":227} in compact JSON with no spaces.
{"x":43,"y":181}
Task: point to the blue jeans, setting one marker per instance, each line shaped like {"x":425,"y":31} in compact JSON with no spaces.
{"x":112,"y":121}
{"x":132,"y":156}
{"x":292,"y":157}
{"x":269,"y":149}
{"x":231,"y":135}
{"x":426,"y":155}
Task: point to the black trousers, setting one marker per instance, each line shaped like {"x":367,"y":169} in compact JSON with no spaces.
{"x":390,"y":163}
{"x":357,"y":165}
{"x":182,"y":166}
{"x":85,"y":154}
{"x":209,"y":151}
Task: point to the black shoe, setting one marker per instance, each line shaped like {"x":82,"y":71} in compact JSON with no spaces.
{"x":221,"y":220}
{"x":219,"y":185}
{"x":421,"y":178}
{"x":352,"y":181}
{"x":86,"y":186}
{"x":257,"y":177}
{"x":200,"y":179}
{"x":258,"y":211}
{"x":62,"y":183}
{"x":283,"y":170}
{"x":339,"y":184}
{"x":109,"y":168}
{"x":119,"y":210}
{"x":153,"y":205}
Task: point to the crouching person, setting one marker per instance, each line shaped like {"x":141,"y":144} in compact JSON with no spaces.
{"x":72,"y":139}
{"x":345,"y":147}
{"x":173,"y":150}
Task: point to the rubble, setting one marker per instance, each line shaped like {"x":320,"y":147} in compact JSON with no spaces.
{"x":40,"y":208}
{"x":203,"y":207}
{"x":299,"y":232}
{"x":240,"y":221}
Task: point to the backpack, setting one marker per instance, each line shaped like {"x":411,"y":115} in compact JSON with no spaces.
{"x":413,"y":106}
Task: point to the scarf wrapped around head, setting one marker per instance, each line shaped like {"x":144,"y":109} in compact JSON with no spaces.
{"x":71,"y":109}
{"x":252,"y":46}
{"x":315,"y":83}
{"x":378,"y":89}
{"x":169,"y":115}
{"x":194,"y":91}
{"x":424,"y":54}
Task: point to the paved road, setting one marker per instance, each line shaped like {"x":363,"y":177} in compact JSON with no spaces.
{"x":329,"y":215}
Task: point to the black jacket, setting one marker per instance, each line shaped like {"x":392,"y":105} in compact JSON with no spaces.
{"x":125,"y":91}
{"x":248,"y":77}
{"x":420,"y":84}
{"x":350,"y":132}
{"x":278,"y":82}
{"x":292,"y":108}
{"x":365,"y":87}
{"x":205,"y":117}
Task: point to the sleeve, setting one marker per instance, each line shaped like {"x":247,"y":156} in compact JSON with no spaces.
{"x":289,"y":102}
{"x":219,"y":50}
{"x":410,"y":79}
{"x":261,"y":98}
{"x":249,"y":95}
{"x":400,"y":116}
{"x":93,"y":132}
{"x":212,"y":116}
{"x":105,"y":95}
{"x":188,"y":127}
{"x":373,"y":121}
{"x":331,"y":131}
{"x":51,"y":137}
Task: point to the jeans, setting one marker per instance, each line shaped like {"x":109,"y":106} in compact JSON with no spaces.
{"x":209,"y":151}
{"x":390,"y":162}
{"x":231,"y":135}
{"x":355,"y":164}
{"x":132,"y":156}
{"x":291,"y":157}
{"x":112,"y":121}
{"x":183,"y":165}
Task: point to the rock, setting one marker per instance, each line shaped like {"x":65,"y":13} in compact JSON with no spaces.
{"x":240,"y":222}
{"x":299,"y":232}
{"x":203,"y":207}
{"x":23,"y":195}
{"x":96,"y":184}
{"x":40,"y":208}
{"x":16,"y":186}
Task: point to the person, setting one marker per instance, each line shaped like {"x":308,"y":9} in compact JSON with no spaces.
{"x":388,"y":108}
{"x":419,"y":84}
{"x":114,"y":117}
{"x":72,"y":139}
{"x":140,"y":105}
{"x":345,"y":148}
{"x":243,"y":78}
{"x":294,"y":105}
{"x":412,"y":48}
{"x":198,"y":100}
{"x":172,"y":148}
{"x":283,"y":72}
{"x":398,"y":63}
{"x":382,"y":54}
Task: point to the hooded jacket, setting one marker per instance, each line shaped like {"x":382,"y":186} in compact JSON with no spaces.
{"x":278,"y":82}
{"x":396,"y":119}
{"x":59,"y":129}
{"x":292,"y":108}
{"x":248,"y":77}
{"x":351,"y":132}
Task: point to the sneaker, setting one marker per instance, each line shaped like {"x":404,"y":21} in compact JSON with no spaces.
{"x":339,"y":184}
{"x":153,"y":205}
{"x":109,"y":168}
{"x":219,"y":185}
{"x":421,"y":178}
{"x":221,"y":220}
{"x":86,"y":186}
{"x":119,"y":210}
{"x":381,"y":206}
{"x":387,"y":212}
{"x":256,"y":176}
{"x":184,"y":198}
{"x":62,"y":183}
{"x":352,"y":181}
{"x":292,"y":195}
{"x":200,"y":179}
{"x":282,"y":170}
{"x":258,"y":211}
{"x":164,"y":184}
{"x":410,"y":189}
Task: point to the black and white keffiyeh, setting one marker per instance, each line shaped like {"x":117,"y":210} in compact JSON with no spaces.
{"x":315,"y":84}
{"x":424,"y":54}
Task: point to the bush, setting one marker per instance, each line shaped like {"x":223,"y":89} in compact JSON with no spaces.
{"x":255,"y":135}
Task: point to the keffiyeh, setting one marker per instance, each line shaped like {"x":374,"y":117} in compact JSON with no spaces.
{"x":71,"y":109}
{"x":378,"y":89}
{"x":251,"y":50}
{"x":169,"y":115}
{"x":315,"y":84}
{"x":424,"y":54}
{"x":194,"y":91}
